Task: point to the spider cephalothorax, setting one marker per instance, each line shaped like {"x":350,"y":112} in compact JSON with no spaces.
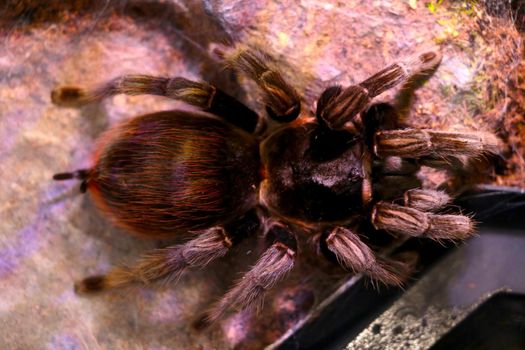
{"x":223,"y":175}
{"x":314,"y":174}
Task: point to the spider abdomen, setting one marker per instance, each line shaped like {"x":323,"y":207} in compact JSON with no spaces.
{"x":170,"y":172}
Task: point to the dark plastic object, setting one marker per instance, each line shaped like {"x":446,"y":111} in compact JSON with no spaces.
{"x":444,"y":302}
{"x":497,"y":324}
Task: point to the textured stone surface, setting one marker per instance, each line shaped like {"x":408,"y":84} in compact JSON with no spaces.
{"x":50,"y":235}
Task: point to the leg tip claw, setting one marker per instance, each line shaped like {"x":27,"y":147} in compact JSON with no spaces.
{"x":90,"y":285}
{"x":67,"y":96}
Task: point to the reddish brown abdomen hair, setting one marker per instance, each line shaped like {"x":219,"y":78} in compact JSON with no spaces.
{"x":171,"y":172}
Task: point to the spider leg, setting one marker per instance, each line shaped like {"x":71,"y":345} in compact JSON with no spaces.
{"x":273,"y":265}
{"x":354,"y":255}
{"x":418,"y":143}
{"x":171,"y":263}
{"x":338,"y":105}
{"x":393,"y":186}
{"x":199,"y":94}
{"x":426,"y":200}
{"x":409,"y":221}
{"x":282,"y":101}
{"x":451,"y":163}
{"x":396,"y":166}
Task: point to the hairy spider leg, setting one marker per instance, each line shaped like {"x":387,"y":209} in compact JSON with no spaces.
{"x":418,"y":143}
{"x":199,"y":94}
{"x":417,"y":218}
{"x":345,"y":246}
{"x":339,"y":105}
{"x":169,"y":264}
{"x":411,"y":222}
{"x":273,"y":265}
{"x":282,"y":101}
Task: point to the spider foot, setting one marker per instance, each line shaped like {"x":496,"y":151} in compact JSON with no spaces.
{"x":68,"y":96}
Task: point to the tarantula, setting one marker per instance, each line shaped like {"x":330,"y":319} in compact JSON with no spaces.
{"x":229,"y":173}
